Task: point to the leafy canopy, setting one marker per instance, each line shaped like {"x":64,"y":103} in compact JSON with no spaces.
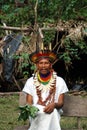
{"x":18,"y":14}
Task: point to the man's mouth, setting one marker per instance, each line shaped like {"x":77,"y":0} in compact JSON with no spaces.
{"x":44,"y":69}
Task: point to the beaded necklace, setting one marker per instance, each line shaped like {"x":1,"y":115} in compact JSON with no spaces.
{"x":44,"y":79}
{"x":42,"y":87}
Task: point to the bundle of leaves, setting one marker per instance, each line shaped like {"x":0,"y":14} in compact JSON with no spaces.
{"x":27,"y":111}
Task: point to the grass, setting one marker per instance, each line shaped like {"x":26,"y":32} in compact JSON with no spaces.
{"x":9,"y":115}
{"x":71,"y":122}
{"x":9,"y":112}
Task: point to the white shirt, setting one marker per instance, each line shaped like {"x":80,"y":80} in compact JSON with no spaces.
{"x":45,"y":121}
{"x":30,"y":88}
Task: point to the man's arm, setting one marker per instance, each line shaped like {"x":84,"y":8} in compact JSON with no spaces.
{"x":60,"y":102}
{"x":29,"y":99}
{"x":50,"y":107}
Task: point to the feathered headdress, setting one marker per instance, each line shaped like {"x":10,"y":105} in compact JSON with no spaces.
{"x":43,"y":53}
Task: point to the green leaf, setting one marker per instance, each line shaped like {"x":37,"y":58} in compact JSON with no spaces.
{"x":27,"y":111}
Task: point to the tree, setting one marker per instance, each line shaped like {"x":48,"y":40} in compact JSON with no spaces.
{"x":63,"y":23}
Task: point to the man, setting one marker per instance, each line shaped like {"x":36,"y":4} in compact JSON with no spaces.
{"x":45,"y":90}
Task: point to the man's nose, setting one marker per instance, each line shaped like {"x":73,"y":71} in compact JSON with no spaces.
{"x":43,"y":64}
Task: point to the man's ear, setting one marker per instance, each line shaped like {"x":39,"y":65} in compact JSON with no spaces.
{"x":50,"y":66}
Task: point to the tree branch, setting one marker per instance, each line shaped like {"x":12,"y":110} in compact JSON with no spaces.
{"x":16,"y":28}
{"x":36,"y":11}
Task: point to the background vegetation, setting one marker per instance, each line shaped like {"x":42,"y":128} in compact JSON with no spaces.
{"x":22,"y":13}
{"x":69,"y":15}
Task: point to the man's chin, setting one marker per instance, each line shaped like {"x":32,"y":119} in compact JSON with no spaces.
{"x":43,"y":71}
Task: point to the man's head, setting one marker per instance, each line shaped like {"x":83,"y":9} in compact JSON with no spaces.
{"x":43,"y":60}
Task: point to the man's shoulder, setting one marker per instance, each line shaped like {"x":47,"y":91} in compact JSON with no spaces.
{"x":30,"y":79}
{"x":59,"y":78}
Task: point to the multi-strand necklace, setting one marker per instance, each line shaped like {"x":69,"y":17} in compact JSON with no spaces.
{"x":44,"y":84}
{"x":44,"y":79}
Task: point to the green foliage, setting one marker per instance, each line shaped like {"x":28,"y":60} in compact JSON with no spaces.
{"x":48,"y":36}
{"x":69,"y":8}
{"x":72,"y":50}
{"x":47,"y":11}
{"x":23,"y":64}
{"x":27,"y":111}
{"x":16,"y":16}
{"x":33,"y":67}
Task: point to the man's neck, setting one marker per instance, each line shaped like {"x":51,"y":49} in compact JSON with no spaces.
{"x":44,"y":75}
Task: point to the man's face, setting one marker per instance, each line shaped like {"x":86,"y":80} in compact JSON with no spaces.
{"x":44,"y":65}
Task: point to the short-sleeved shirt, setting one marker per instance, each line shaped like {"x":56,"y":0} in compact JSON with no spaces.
{"x":30,"y":88}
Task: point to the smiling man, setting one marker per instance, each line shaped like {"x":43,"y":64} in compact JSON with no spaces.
{"x":45,"y":90}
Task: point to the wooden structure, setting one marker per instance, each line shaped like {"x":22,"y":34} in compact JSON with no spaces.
{"x":74,"y":106}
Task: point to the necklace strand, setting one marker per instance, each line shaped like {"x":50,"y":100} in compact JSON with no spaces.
{"x":50,"y":86}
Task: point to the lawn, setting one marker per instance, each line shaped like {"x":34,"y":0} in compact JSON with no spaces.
{"x":9,"y":112}
{"x":9,"y":115}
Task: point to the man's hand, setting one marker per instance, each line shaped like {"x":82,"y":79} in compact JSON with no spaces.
{"x":49,"y":108}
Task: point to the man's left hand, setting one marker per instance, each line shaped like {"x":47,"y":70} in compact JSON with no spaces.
{"x":49,"y":108}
